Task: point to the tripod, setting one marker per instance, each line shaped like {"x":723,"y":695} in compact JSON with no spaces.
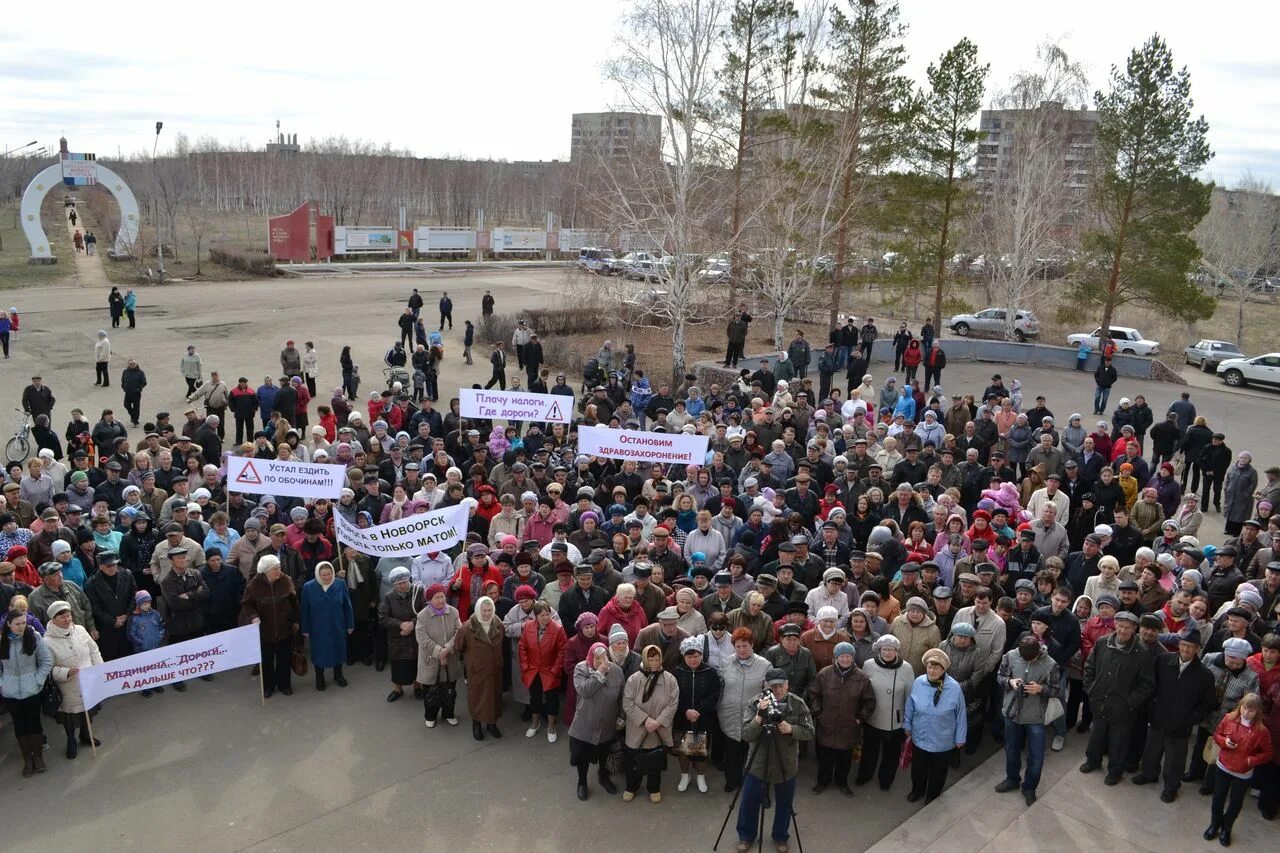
{"x":770,"y":735}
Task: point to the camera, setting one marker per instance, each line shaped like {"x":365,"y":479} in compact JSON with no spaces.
{"x":775,"y":712}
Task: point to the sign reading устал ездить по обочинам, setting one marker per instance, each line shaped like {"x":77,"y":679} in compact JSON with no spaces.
{"x":515,"y":405}
{"x":281,"y":477}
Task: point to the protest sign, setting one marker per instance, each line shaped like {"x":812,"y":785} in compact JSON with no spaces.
{"x":515,"y":405}
{"x":171,"y":664}
{"x":672,"y":448}
{"x":437,"y":530}
{"x":291,"y":478}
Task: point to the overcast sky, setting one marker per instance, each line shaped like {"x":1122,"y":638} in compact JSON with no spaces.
{"x":501,"y":79}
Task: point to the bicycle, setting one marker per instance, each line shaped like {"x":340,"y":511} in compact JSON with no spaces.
{"x":19,"y":447}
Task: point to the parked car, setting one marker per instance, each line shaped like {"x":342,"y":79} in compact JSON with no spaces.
{"x":1209,"y":354}
{"x":634,"y":262}
{"x":1260,"y":370}
{"x":599,"y":261}
{"x":991,"y":322}
{"x":716,"y":271}
{"x":1128,"y":341}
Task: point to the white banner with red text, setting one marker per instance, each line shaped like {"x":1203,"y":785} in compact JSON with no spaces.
{"x":291,"y":478}
{"x":437,"y":530}
{"x":671,"y":448}
{"x":514,"y":405}
{"x":171,"y":664}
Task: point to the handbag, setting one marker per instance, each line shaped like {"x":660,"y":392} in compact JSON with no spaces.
{"x":692,"y":745}
{"x":649,"y":761}
{"x":50,"y":698}
{"x":1211,"y":751}
{"x":904,"y":757}
{"x":1053,"y":710}
{"x":298,"y":660}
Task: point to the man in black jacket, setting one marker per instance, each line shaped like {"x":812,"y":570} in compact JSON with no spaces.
{"x":1118,"y":681}
{"x":1185,"y":695}
{"x":533,"y":358}
{"x":1165,"y":437}
{"x":1103,"y":378}
{"x":585,"y":597}
{"x":1213,"y":462}
{"x":37,"y":399}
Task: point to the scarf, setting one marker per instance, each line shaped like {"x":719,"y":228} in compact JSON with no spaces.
{"x":843,"y":672}
{"x":618,"y":659}
{"x":651,"y":679}
{"x":825,"y":635}
{"x":437,"y":611}
{"x":937,"y":688}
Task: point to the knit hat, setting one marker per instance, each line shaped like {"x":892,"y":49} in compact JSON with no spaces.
{"x":1108,"y":599}
{"x":937,"y":655}
{"x":917,"y":602}
{"x":60,"y":546}
{"x":585,"y":618}
{"x":616,"y":633}
{"x":1250,"y":595}
{"x":886,"y":641}
{"x":1043,"y":614}
{"x":434,"y":590}
{"x":828,"y":612}
{"x":525,"y":592}
{"x":59,"y":607}
{"x":1232,"y":647}
{"x":141,"y":597}
{"x":963,"y":629}
{"x":844,"y":649}
{"x":398,"y":574}
{"x":690,"y":644}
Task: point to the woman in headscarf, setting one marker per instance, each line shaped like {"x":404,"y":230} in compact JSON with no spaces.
{"x":575,"y":652}
{"x":936,"y":722}
{"x":439,"y":668}
{"x":891,"y":679}
{"x":841,"y":700}
{"x":479,"y":642}
{"x":398,"y":615}
{"x":699,"y":694}
{"x":597,"y":690}
{"x":72,"y":649}
{"x":327,"y":620}
{"x":541,"y":653}
{"x":623,"y":610}
{"x":649,"y":702}
{"x":25,"y":664}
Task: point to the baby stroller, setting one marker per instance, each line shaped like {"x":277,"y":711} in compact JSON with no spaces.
{"x":592,"y":375}
{"x":396,"y":374}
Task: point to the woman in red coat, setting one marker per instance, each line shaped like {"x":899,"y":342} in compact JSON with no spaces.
{"x":1244,"y":744}
{"x":541,"y":650}
{"x":911,"y":359}
{"x":469,"y":581}
{"x":623,"y":610}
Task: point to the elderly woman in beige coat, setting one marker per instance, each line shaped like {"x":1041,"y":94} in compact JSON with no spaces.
{"x":649,"y":702}
{"x":438,"y":665}
{"x":73,"y":649}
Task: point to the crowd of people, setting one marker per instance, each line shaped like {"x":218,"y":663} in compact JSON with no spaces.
{"x":892,"y":573}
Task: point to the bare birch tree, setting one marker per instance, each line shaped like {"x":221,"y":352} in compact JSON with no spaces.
{"x":1240,"y":242}
{"x":667,"y":63}
{"x":1029,"y":216}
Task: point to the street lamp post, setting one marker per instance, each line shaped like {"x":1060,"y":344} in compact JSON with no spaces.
{"x":8,"y":151}
{"x":155,"y":175}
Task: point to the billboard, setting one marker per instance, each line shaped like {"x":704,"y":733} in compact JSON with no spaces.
{"x":519,"y":240}
{"x":350,"y":240}
{"x":79,"y":170}
{"x":431,"y":240}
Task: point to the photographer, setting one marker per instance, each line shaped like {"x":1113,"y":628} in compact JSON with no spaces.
{"x":777,"y":721}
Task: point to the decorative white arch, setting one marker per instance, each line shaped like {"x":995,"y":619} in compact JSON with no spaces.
{"x":42,"y":184}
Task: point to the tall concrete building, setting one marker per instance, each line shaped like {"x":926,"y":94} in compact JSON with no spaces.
{"x":615,"y":137}
{"x":1075,"y":130}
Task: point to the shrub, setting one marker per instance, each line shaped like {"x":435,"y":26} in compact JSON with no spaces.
{"x":252,"y":261}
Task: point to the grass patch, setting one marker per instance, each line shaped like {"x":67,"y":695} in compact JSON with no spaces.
{"x":15,"y":271}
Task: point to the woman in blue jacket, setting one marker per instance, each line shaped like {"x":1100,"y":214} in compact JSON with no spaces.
{"x":936,"y":723}
{"x":25,"y":664}
{"x":327,"y":619}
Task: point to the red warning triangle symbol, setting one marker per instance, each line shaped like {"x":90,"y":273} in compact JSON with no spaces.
{"x":553,"y":414}
{"x":249,"y":475}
